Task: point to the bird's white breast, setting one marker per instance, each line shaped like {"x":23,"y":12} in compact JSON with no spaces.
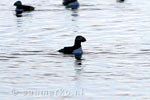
{"x":73,"y":5}
{"x":77,"y":51}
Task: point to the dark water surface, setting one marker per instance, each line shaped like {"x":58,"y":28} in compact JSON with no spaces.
{"x":116,"y":61}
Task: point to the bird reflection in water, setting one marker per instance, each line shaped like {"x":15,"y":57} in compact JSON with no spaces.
{"x":78,"y":69}
{"x":18,"y":14}
{"x":78,"y":56}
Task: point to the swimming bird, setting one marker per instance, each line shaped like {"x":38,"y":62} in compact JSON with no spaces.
{"x":73,"y":4}
{"x":120,"y":1}
{"x":76,"y":48}
{"x":22,"y":8}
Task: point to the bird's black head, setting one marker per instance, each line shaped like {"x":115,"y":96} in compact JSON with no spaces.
{"x":18,"y":3}
{"x":120,"y":1}
{"x":80,"y":38}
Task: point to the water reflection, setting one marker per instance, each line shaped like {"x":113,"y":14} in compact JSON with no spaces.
{"x":78,"y":56}
{"x":19,"y":21}
{"x":78,"y":69}
{"x":75,"y":13}
{"x":75,"y":16}
{"x":22,"y":14}
{"x":74,"y":19}
{"x":18,"y":15}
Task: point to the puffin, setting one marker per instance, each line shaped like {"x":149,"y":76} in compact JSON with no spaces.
{"x":76,"y":48}
{"x":120,"y":1}
{"x":73,"y":4}
{"x":22,"y":8}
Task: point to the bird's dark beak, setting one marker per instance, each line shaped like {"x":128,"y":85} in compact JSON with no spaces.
{"x":83,"y":39}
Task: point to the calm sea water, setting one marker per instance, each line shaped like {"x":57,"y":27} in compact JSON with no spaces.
{"x":116,"y":61}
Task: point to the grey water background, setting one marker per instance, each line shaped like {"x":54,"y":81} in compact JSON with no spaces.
{"x":116,"y":61}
